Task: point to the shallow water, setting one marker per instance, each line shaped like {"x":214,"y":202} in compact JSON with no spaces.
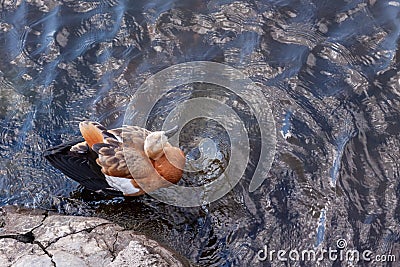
{"x":329,"y":69}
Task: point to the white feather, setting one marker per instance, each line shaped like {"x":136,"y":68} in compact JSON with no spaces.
{"x":119,"y":138}
{"x":122,"y":184}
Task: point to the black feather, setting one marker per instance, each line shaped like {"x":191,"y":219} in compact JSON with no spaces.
{"x":81,"y":167}
{"x":96,"y":147}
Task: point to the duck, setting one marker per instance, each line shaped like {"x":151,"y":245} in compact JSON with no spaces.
{"x":127,"y":161}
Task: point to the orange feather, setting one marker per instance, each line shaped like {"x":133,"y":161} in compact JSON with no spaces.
{"x":91,"y":133}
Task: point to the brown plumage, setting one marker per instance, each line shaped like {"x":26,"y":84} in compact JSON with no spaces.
{"x":120,"y":155}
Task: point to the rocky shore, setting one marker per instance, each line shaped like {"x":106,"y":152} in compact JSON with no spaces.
{"x":39,"y":238}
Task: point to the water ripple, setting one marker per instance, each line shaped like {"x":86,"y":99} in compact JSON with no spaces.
{"x":328,"y":68}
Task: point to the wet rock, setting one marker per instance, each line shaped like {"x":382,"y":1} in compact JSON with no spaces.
{"x":36,"y":238}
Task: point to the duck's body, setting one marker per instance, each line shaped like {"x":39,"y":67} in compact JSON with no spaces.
{"x":103,"y":163}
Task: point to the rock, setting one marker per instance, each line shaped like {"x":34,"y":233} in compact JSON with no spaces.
{"x":136,"y":254}
{"x":56,"y":227}
{"x":36,"y":238}
{"x":16,"y":253}
{"x":22,"y":221}
{"x":143,"y":252}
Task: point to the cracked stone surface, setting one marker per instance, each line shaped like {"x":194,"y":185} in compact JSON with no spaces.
{"x":56,"y":227}
{"x":16,"y":253}
{"x":36,"y":238}
{"x":23,"y":221}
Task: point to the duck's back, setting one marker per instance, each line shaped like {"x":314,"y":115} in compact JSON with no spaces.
{"x":100,"y":161}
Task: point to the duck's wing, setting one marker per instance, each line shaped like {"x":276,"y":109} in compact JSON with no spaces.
{"x":76,"y":160}
{"x":110,"y":148}
{"x":101,"y":162}
{"x":115,"y":155}
{"x":114,"y":148}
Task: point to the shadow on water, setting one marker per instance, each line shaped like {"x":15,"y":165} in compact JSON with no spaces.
{"x":329,"y":69}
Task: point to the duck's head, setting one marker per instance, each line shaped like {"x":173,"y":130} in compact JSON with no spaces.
{"x":156,"y":141}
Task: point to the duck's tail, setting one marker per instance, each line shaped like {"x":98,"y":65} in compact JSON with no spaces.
{"x":79,"y":166}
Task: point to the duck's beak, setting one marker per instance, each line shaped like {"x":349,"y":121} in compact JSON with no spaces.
{"x":172,"y":131}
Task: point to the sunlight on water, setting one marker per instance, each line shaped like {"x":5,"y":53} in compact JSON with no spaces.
{"x":329,"y":69}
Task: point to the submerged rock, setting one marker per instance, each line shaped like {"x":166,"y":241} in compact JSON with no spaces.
{"x":37,"y":238}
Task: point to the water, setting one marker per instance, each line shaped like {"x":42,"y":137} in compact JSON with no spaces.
{"x":329,"y":69}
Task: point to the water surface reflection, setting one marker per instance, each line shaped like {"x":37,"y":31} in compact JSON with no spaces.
{"x":328,"y":68}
